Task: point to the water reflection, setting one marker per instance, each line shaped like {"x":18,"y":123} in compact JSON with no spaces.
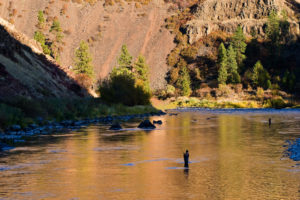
{"x":232,"y":156}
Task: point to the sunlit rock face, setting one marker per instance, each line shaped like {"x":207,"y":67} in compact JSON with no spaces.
{"x":226,"y":15}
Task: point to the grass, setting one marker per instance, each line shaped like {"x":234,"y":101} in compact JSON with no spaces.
{"x":24,"y":111}
{"x":215,"y":104}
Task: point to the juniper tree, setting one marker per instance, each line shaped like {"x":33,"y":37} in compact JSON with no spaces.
{"x":83,"y":61}
{"x":222,"y":63}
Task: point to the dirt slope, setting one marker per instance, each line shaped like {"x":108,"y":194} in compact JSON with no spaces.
{"x":139,"y":28}
{"x":24,"y":71}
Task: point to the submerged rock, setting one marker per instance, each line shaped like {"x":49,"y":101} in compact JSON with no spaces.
{"x":146,"y":124}
{"x":157,"y":122}
{"x":115,"y":126}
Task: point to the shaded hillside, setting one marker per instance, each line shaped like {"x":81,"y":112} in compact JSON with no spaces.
{"x":268,"y":31}
{"x":25,"y":71}
{"x":105,"y":27}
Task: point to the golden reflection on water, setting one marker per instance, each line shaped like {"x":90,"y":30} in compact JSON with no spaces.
{"x":233,"y":157}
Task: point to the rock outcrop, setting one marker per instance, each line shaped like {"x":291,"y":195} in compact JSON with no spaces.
{"x":226,"y":15}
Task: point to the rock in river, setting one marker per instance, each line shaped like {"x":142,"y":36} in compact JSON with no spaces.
{"x":115,"y":126}
{"x":157,"y":122}
{"x":146,"y":124}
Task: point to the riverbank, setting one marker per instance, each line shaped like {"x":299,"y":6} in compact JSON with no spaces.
{"x":21,"y":118}
{"x":24,"y":112}
{"x":16,"y":134}
{"x":190,"y":102}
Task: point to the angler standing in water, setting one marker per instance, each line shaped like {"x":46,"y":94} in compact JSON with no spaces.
{"x":186,"y":156}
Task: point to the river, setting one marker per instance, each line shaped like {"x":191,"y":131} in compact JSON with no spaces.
{"x":234,"y":154}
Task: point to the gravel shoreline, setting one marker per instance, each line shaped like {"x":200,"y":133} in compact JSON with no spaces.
{"x":15,"y":134}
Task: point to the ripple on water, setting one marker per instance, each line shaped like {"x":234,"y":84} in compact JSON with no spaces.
{"x":57,"y":151}
{"x":116,"y":148}
{"x":177,"y":168}
{"x":176,"y":160}
{"x":6,"y":168}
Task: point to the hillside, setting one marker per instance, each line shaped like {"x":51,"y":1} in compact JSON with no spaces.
{"x":264,"y":32}
{"x":161,"y":30}
{"x":106,"y":28}
{"x":25,"y":71}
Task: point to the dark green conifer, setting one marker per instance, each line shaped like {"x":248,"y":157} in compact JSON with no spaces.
{"x":83,"y":60}
{"x":222,"y":63}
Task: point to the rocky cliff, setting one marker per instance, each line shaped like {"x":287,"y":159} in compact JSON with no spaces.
{"x":25,"y":71}
{"x":226,"y":15}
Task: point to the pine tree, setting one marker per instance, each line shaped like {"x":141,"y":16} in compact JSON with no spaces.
{"x":222,"y":62}
{"x":260,"y":77}
{"x":184,"y":82}
{"x":239,"y":45}
{"x":125,"y":59}
{"x":41,"y":19}
{"x":232,"y":66}
{"x":83,"y":60}
{"x":141,"y":70}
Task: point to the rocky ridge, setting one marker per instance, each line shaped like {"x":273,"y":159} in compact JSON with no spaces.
{"x":226,"y":15}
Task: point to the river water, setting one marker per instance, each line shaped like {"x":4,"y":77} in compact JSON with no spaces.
{"x":233,"y":154}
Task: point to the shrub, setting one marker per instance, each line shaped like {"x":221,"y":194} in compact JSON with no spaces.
{"x":275,"y":103}
{"x":9,"y":115}
{"x":224,"y":91}
{"x":260,"y":76}
{"x":260,"y":92}
{"x":170,"y":90}
{"x":121,"y":88}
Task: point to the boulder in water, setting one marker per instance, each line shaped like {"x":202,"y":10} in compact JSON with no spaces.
{"x":146,"y":124}
{"x":115,"y":126}
{"x":157,"y":122}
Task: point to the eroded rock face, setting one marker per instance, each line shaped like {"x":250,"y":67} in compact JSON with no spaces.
{"x":226,"y":15}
